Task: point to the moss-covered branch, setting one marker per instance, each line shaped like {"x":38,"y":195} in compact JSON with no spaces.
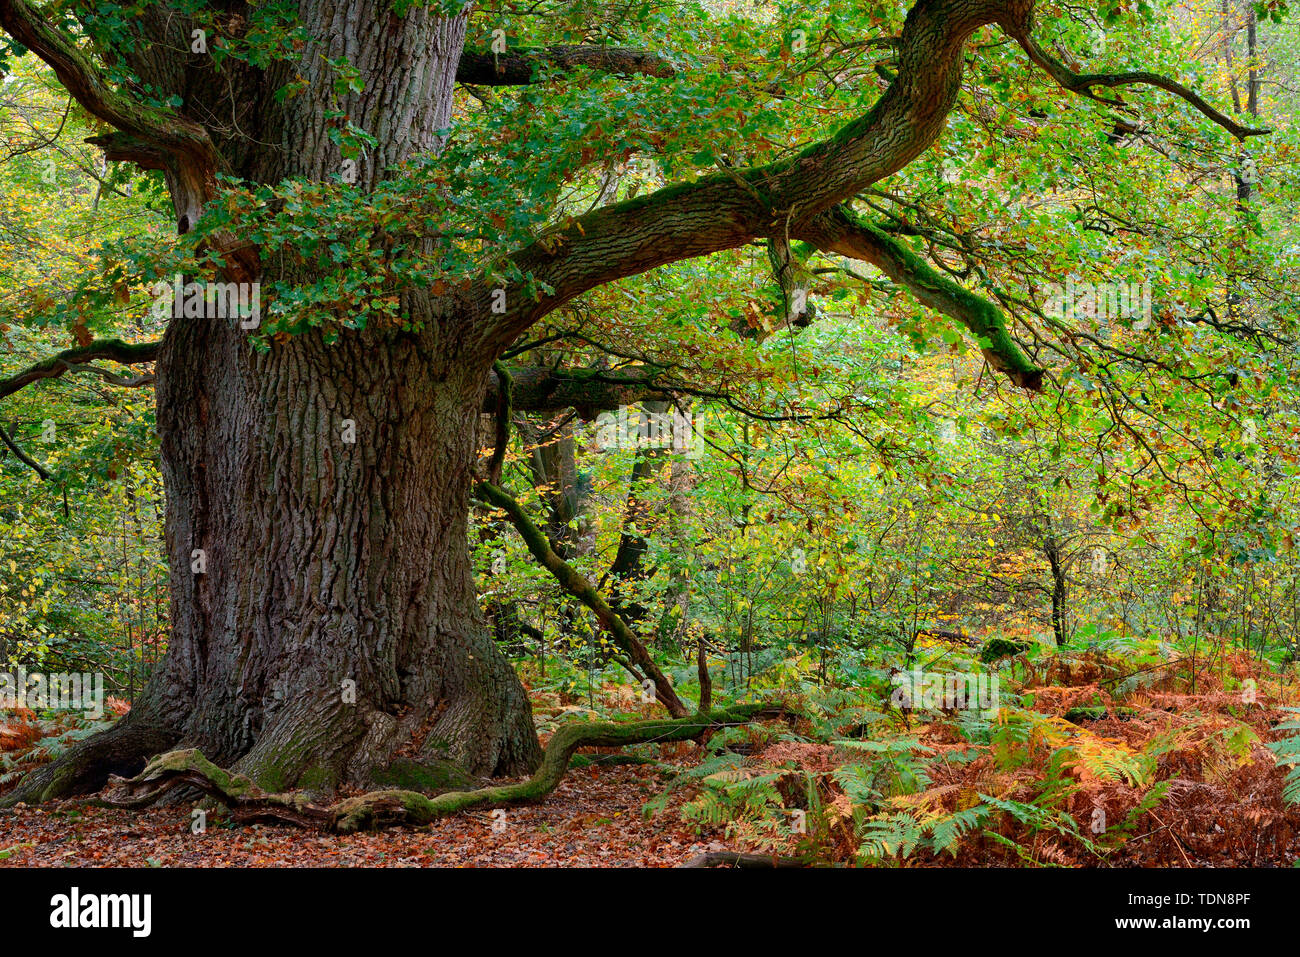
{"x":573,"y":582}
{"x":745,"y":861}
{"x":377,"y":809}
{"x":89,"y":86}
{"x":151,"y":137}
{"x":843,"y":231}
{"x":731,"y":207}
{"x":114,"y":349}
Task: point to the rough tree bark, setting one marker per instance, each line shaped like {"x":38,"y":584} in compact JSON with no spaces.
{"x":1056,"y":562}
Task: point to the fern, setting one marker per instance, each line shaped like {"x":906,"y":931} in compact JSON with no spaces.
{"x":902,"y":833}
{"x":891,"y":745}
{"x":1287,"y":751}
{"x":894,"y":834}
{"x":1117,"y":834}
{"x":1113,"y":761}
{"x":858,"y":782}
{"x":728,"y":801}
{"x":1038,"y":819}
{"x":947,"y":833}
{"x":713,"y":764}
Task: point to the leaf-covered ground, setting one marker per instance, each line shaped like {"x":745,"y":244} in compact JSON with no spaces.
{"x":594,"y":819}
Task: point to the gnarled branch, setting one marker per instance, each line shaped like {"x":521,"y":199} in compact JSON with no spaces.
{"x":376,"y":809}
{"x":1085,"y":82}
{"x":148,"y":136}
{"x":70,"y":360}
{"x":732,"y":207}
{"x":590,"y":391}
{"x":92,"y":90}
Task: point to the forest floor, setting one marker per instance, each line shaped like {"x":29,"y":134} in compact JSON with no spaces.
{"x":593,"y":819}
{"x":1185,"y":777}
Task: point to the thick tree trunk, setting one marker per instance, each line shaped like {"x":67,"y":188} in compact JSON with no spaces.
{"x":331,"y":501}
{"x":325,"y":627}
{"x":324,"y":617}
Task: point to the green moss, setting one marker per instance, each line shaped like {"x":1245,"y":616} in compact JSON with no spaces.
{"x":55,"y":787}
{"x":979,"y":315}
{"x":1097,"y":713}
{"x":606,"y":760}
{"x":271,"y":779}
{"x":997,"y":648}
{"x":317,"y":778}
{"x":412,"y":808}
{"x":430,"y":777}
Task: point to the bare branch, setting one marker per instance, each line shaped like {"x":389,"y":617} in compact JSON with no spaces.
{"x":23,"y":457}
{"x":1085,"y":82}
{"x":589,"y":391}
{"x":577,"y":585}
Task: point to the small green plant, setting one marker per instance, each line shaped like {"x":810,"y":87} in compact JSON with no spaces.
{"x":1288,"y":756}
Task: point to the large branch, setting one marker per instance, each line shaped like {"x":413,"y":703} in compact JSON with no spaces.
{"x":1085,"y":82}
{"x":382,"y":808}
{"x":589,"y":391}
{"x":525,"y":65}
{"x":91,"y":89}
{"x":843,"y":232}
{"x":150,"y":137}
{"x":70,"y":359}
{"x":731,"y":208}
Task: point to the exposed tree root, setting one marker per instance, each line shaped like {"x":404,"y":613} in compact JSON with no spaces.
{"x":384,"y":808}
{"x":121,"y":749}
